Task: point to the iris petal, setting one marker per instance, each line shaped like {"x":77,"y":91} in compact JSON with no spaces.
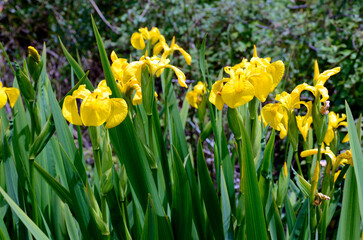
{"x":236,"y":93}
{"x":118,"y":112}
{"x":70,"y":110}
{"x":94,"y":112}
{"x":13,"y":94}
{"x":137,"y":41}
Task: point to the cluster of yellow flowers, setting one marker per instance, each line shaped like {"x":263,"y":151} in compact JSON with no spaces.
{"x":97,"y":108}
{"x":279,"y":114}
{"x":128,"y":75}
{"x":255,"y":78}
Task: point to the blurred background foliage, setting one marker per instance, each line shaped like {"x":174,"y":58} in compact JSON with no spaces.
{"x":297,"y":32}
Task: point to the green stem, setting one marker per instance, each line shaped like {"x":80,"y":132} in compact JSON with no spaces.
{"x":298,"y":163}
{"x":32,"y":192}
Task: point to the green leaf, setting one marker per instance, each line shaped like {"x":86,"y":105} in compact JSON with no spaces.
{"x":76,"y":67}
{"x":61,"y":191}
{"x":299,"y":228}
{"x":255,"y":219}
{"x":209,"y":195}
{"x":37,"y":233}
{"x":349,"y":221}
{"x":226,"y":208}
{"x":130,"y":151}
{"x":150,"y":229}
{"x":356,"y":150}
{"x":181,"y":211}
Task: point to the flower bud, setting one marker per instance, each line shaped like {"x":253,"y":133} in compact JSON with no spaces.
{"x":293,"y":132}
{"x":235,"y":122}
{"x":106,"y":182}
{"x":148,"y":91}
{"x":320,"y":120}
{"x":26,"y":87}
{"x":34,"y":64}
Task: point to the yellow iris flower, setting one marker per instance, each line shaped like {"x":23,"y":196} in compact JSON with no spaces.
{"x":155,"y":66}
{"x":8,"y":93}
{"x":127,"y":80}
{"x":343,"y":158}
{"x":319,"y":80}
{"x":278,"y":114}
{"x":96,"y":108}
{"x":138,"y":38}
{"x":334,"y":122}
{"x":255,"y":78}
{"x":263,"y":75}
{"x":162,"y":45}
{"x":195,"y":96}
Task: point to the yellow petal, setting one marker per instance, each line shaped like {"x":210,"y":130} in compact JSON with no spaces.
{"x":346,"y":138}
{"x":137,"y":41}
{"x":303,"y":125}
{"x":137,"y":99}
{"x":118,"y":112}
{"x":186,"y":55}
{"x":160,"y":46}
{"x":276,"y":69}
{"x":327,"y":74}
{"x":95,"y":111}
{"x":329,"y":136}
{"x":82,"y":92}
{"x":262,"y":83}
{"x":3,"y":98}
{"x":113,"y":56}
{"x":295,"y":94}
{"x":70,"y":110}
{"x":215,"y":96}
{"x":308,"y":153}
{"x":133,"y":71}
{"x":323,"y":91}
{"x":236,"y":93}
{"x":316,"y":71}
{"x":276,"y":116}
{"x":13,"y":94}
{"x":200,"y":88}
{"x":254,"y":51}
{"x":154,"y":35}
{"x":179,"y":74}
{"x":34,"y":53}
{"x":192,"y":98}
